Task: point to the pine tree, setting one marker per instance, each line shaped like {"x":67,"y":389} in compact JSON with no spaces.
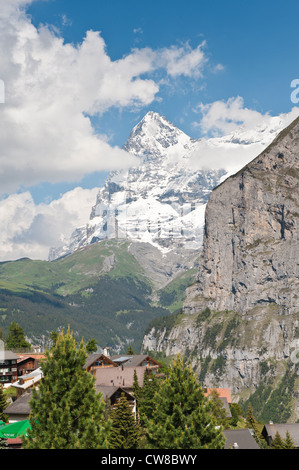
{"x":91,"y":346}
{"x":16,"y":338}
{"x":288,"y":442}
{"x":147,"y":397}
{"x":182,"y":415}
{"x":65,"y":412}
{"x":136,"y":386}
{"x":252,"y":424}
{"x":130,"y":351}
{"x":277,"y":442}
{"x":124,"y":432}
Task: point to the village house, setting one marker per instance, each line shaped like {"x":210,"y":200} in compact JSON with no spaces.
{"x":28,"y":363}
{"x":239,"y":439}
{"x":27,"y":381}
{"x":98,"y":360}
{"x":8,"y":367}
{"x":269,"y":431}
{"x":123,"y":374}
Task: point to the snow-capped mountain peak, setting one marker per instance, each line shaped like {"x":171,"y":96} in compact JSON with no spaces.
{"x":154,"y":137}
{"x":162,"y":200}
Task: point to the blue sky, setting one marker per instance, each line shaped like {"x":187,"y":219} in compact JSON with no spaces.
{"x":255,"y":41}
{"x":79,"y":75}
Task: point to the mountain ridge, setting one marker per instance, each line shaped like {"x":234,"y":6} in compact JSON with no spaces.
{"x":162,"y":201}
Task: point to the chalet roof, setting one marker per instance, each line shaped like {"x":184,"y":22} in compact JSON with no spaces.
{"x":28,"y":357}
{"x":20,"y":405}
{"x":269,"y":430}
{"x":95,"y":357}
{"x":133,"y":360}
{"x":240,"y":437}
{"x":222,"y":392}
{"x":27,"y":380}
{"x":119,"y":376}
{"x":109,"y":391}
{"x":8,"y":355}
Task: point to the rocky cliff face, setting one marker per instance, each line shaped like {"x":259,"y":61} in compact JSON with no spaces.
{"x":240,"y":322}
{"x":250,"y":254}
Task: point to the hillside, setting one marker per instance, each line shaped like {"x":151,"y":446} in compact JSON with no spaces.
{"x":101,"y":291}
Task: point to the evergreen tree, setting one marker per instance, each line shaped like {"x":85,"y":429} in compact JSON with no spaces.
{"x":53,"y":337}
{"x":218,"y":409}
{"x":288,"y":442}
{"x":136,"y":386}
{"x":147,"y":397}
{"x":65,"y":412}
{"x":91,"y":346}
{"x":252,"y":424}
{"x":130,"y":351}
{"x":182,"y":415}
{"x":15,"y":338}
{"x":124,"y":432}
{"x":277,"y":442}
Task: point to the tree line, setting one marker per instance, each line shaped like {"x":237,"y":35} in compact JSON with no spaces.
{"x":173,"y":412}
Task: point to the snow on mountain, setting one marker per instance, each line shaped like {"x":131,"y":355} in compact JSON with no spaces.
{"x":162,"y":200}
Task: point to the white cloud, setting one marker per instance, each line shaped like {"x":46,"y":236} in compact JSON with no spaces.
{"x":29,"y":230}
{"x":184,"y":60}
{"x":51,"y":90}
{"x":223,"y":117}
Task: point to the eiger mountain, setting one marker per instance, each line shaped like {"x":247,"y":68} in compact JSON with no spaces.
{"x":159,"y":205}
{"x":240,"y":320}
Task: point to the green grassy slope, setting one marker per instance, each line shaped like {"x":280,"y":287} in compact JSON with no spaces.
{"x":101,"y":291}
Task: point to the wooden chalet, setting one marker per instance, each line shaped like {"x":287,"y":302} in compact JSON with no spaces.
{"x":8,"y":367}
{"x":269,"y":431}
{"x":123,"y":374}
{"x":138,"y":360}
{"x":97,"y":360}
{"x":28,"y":363}
{"x":27,"y":381}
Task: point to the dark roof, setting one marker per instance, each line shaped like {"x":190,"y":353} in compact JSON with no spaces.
{"x":8,"y":355}
{"x":242,"y":437}
{"x":119,"y":376}
{"x":20,"y":406}
{"x":108,"y":391}
{"x":133,"y":360}
{"x":269,"y":430}
{"x":96,"y":356}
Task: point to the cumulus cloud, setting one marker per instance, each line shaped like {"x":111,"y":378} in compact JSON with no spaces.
{"x":29,"y":230}
{"x":184,"y":60}
{"x":224,"y":117}
{"x":234,"y":134}
{"x":51,"y":91}
{"x":52,"y":88}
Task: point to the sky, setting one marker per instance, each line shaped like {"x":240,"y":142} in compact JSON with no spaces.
{"x":76,"y":77}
